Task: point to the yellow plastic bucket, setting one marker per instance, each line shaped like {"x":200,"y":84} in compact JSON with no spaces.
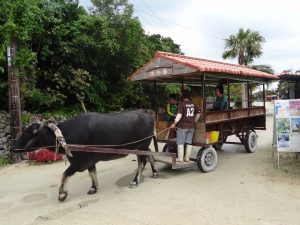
{"x":214,"y":136}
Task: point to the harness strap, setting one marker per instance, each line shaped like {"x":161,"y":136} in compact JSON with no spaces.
{"x":59,"y":139}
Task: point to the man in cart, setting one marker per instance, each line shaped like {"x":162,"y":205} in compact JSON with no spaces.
{"x":221,"y":100}
{"x":187,"y":115}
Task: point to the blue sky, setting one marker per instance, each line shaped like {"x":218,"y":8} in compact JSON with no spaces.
{"x":200,"y":27}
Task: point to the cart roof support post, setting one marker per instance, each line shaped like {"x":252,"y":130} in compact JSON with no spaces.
{"x":155,"y":99}
{"x":228,"y":93}
{"x":248,"y":93}
{"x":204,"y":99}
{"x":244,"y":95}
{"x":264,"y":95}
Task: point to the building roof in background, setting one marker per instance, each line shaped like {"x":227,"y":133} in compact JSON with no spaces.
{"x":289,"y":75}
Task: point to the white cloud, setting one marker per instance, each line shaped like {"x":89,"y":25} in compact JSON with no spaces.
{"x":277,"y":21}
{"x":200,"y":27}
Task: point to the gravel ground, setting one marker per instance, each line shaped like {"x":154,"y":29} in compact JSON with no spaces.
{"x":244,"y":189}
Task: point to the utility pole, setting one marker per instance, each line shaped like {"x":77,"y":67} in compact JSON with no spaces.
{"x":14,"y":99}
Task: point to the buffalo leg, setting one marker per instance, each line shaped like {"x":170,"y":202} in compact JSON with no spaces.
{"x":152,"y":163}
{"x":141,"y":165}
{"x":93,"y":175}
{"x":62,"y":195}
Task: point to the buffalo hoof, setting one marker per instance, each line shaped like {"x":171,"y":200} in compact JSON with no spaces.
{"x":92,"y":191}
{"x":133,"y":184}
{"x":155,"y":175}
{"x":62,"y":196}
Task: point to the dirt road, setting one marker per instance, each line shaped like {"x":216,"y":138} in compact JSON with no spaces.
{"x":244,"y":189}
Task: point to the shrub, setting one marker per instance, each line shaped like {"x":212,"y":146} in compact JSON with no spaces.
{"x":26,"y":117}
{"x":44,"y":155}
{"x":3,"y":161}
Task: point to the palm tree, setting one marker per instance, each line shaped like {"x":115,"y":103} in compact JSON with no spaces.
{"x":245,"y":45}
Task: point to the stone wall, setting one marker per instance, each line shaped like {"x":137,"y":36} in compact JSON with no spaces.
{"x":4,"y":133}
{"x":5,"y":142}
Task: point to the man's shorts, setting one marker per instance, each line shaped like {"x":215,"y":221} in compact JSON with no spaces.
{"x":184,"y":136}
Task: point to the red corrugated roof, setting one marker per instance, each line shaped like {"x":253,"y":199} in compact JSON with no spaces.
{"x":205,"y":65}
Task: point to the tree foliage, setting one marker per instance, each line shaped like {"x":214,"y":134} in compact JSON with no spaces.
{"x":263,"y":68}
{"x":245,"y":45}
{"x":67,"y":55}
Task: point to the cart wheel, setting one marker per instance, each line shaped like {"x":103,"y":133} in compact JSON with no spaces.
{"x":218,"y":146}
{"x":170,"y":148}
{"x":207,"y":159}
{"x":250,"y":141}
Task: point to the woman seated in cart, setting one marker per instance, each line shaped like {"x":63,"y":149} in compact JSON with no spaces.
{"x":221,"y":100}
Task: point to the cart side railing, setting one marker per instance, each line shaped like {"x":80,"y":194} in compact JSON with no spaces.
{"x":227,"y":122}
{"x":219,"y":116}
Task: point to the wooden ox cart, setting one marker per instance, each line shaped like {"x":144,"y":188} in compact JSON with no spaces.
{"x":241,"y":118}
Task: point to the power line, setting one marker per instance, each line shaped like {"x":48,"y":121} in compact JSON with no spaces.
{"x":183,"y":27}
{"x":160,"y":19}
{"x":155,"y":15}
{"x":150,"y":24}
{"x":206,"y":34}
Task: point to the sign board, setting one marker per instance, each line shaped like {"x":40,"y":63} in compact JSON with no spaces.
{"x":287,"y":121}
{"x":160,"y":71}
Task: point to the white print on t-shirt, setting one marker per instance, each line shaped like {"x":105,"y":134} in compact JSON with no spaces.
{"x":189,"y":112}
{"x":189,"y":105}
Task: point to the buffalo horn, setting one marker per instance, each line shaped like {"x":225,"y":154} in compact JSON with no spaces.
{"x":42,"y":124}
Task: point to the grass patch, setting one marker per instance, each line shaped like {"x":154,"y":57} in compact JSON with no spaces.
{"x":4,"y":161}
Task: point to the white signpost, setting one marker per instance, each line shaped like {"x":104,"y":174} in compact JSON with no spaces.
{"x":287,"y":124}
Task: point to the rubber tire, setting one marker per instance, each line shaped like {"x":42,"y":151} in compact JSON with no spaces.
{"x":170,"y":148}
{"x":218,"y":146}
{"x":250,"y":141}
{"x":207,"y":159}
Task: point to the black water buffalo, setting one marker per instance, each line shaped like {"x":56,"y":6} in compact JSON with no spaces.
{"x":115,"y":129}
